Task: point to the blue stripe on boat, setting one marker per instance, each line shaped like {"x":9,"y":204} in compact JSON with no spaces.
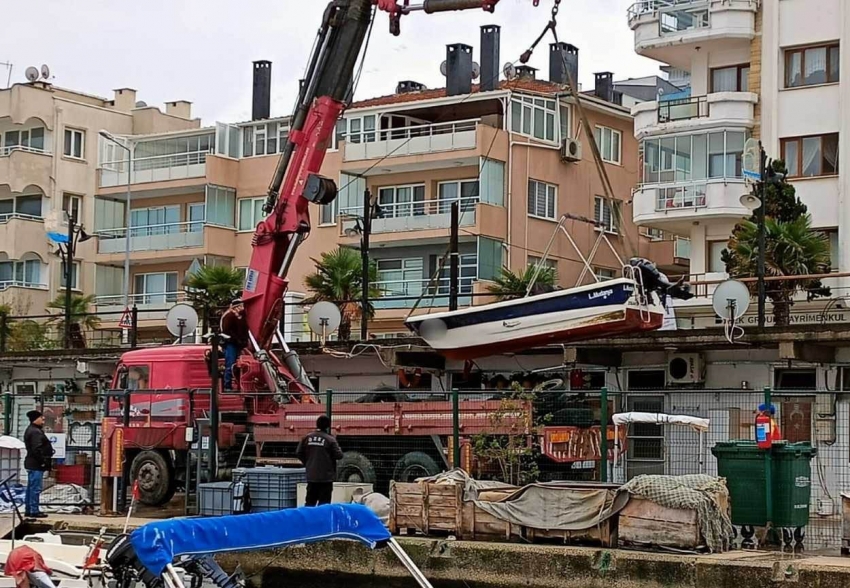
{"x":604,"y":295}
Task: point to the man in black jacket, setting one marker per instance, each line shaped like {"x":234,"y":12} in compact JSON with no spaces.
{"x":319,"y":453}
{"x":39,"y":452}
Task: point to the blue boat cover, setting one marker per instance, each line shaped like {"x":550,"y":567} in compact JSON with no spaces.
{"x":157,"y":544}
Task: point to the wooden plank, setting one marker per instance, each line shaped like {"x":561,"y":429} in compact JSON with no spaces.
{"x":409,"y":510}
{"x":443,"y":502}
{"x":408,"y":499}
{"x":442,"y":489}
{"x":393,"y":527}
{"x":426,"y":489}
{"x":661,"y":533}
{"x":638,"y":508}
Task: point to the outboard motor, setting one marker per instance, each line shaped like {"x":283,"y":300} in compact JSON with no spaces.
{"x":127,"y":568}
{"x":655,"y":281}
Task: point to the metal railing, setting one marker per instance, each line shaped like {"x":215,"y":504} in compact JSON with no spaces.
{"x":6,"y":217}
{"x":9,"y":149}
{"x":411,"y":140}
{"x":22,"y":284}
{"x":690,"y":195}
{"x":415,"y":208}
{"x":155,"y":168}
{"x":152,"y":230}
{"x":146,"y":298}
{"x":683,"y":109}
{"x":446,"y":128}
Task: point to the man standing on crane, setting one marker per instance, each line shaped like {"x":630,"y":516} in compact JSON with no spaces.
{"x":235,"y":328}
{"x":319,"y":452}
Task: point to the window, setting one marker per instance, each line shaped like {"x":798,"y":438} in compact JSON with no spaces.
{"x":220,"y":206}
{"x":172,"y":152}
{"x":250,"y":213}
{"x":197,"y":215}
{"x":652,"y":233}
{"x":264,"y":139}
{"x":74,"y":143}
{"x":361,"y":129}
{"x":832,"y":235}
{"x":715,"y":256}
{"x":551,"y":263}
{"x":811,"y":156}
{"x":402,"y":201}
{"x":534,"y":117}
{"x":327,"y":213}
{"x":75,"y":275}
{"x":564,"y":121}
{"x":156,"y":220}
{"x":603,"y":274}
{"x":686,"y":158}
{"x":158,"y":288}
{"x":463,"y":191}
{"x":607,"y":214}
{"x":608,"y":140}
{"x":542,"y":199}
{"x":25,"y":273}
{"x":810,"y":66}
{"x":467,"y":272}
{"x":27,"y":205}
{"x":27,"y":139}
{"x":400,"y":277}
{"x":72,"y":205}
{"x":734,"y":78}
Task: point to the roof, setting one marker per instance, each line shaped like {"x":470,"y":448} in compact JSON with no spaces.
{"x":539,"y":86}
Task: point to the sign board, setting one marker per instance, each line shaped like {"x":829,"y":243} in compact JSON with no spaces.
{"x":126,"y":319}
{"x":57,"y":440}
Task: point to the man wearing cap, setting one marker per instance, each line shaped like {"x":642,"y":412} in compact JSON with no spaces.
{"x":39,"y":452}
{"x":234,"y":326}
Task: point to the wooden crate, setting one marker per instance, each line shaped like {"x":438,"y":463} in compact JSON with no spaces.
{"x":643,"y":522}
{"x":426,"y":508}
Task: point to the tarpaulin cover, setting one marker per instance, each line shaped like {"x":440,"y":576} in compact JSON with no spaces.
{"x":157,"y":544}
{"x":657,"y":418}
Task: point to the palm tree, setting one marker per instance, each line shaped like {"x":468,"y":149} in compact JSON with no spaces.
{"x":509,"y":285}
{"x":338,"y":279}
{"x":81,"y":319}
{"x":212,"y":288}
{"x":793,"y":248}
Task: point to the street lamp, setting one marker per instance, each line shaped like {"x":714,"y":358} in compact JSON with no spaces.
{"x":67,"y":244}
{"x":363,"y":227}
{"x":111,"y":138}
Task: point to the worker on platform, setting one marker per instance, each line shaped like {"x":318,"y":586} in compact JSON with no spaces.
{"x":319,"y":452}
{"x":235,"y":328}
{"x":27,"y":567}
{"x":37,"y":461}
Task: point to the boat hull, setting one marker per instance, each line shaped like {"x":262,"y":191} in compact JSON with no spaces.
{"x":562,"y":317}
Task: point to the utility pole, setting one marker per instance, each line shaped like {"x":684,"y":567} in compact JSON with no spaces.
{"x":364,"y":254}
{"x":454,"y":269}
{"x":761,"y":236}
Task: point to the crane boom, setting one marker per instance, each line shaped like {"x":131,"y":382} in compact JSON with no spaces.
{"x":296,"y":183}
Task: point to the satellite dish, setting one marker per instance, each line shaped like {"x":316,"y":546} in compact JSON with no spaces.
{"x":750,"y":202}
{"x":509,"y":70}
{"x":141,"y":104}
{"x":324,"y":319}
{"x":443,"y":68}
{"x":45,"y":71}
{"x":476,"y":70}
{"x":31,"y":73}
{"x":181,"y":321}
{"x":731,"y":300}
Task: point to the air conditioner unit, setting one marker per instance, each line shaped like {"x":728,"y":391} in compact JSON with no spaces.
{"x":684,"y":368}
{"x":571,"y":150}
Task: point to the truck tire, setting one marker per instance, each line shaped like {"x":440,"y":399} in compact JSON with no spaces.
{"x":155,"y":475}
{"x":413,"y":465}
{"x":355,"y":467}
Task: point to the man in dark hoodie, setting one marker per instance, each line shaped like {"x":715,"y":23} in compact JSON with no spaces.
{"x":38,"y":461}
{"x":319,"y":452}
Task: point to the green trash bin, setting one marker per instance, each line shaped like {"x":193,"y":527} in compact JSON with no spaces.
{"x":742,"y":464}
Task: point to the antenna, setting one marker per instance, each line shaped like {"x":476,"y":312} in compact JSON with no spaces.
{"x":730,"y":301}
{"x":181,"y":321}
{"x":324,"y":319}
{"x":443,"y":69}
{"x":45,"y":72}
{"x":509,"y":70}
{"x":31,"y":73}
{"x":9,"y":66}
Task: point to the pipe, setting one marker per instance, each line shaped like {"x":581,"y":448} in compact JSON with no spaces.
{"x":408,"y":563}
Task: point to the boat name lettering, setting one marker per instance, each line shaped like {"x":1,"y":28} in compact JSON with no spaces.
{"x":600,"y":294}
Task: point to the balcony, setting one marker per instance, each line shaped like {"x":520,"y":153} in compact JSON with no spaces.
{"x":398,"y":294}
{"x":421,"y":147}
{"x":720,"y":109}
{"x":151,"y":306}
{"x":25,"y":166}
{"x":671,"y":255}
{"x":675,"y":207}
{"x":25,"y":295}
{"x":667,"y":30}
{"x":158,"y":168}
{"x":167,"y":242}
{"x":23,"y":233}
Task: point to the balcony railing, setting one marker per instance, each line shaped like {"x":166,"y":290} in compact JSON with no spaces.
{"x":8,"y":150}
{"x":4,"y":284}
{"x":6,"y":217}
{"x":683,"y":109}
{"x":412,"y":140}
{"x":681,"y":196}
{"x":681,"y":15}
{"x":405,"y":293}
{"x":158,"y":168}
{"x":417,"y":215}
{"x":681,"y":248}
{"x":144,"y":299}
{"x":153,"y":237}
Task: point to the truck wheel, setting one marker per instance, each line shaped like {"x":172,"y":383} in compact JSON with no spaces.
{"x":356,"y":468}
{"x":415,"y":465}
{"x":155,"y":475}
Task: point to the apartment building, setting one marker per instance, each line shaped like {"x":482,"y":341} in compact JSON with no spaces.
{"x":48,"y":162}
{"x":769,"y":70}
{"x":509,"y":151}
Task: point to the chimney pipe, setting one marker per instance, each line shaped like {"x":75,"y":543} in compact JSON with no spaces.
{"x":526,"y":72}
{"x":604,"y":86}
{"x":458,"y":69}
{"x":262,"y":96}
{"x":490,"y":41}
{"x":563,"y":59}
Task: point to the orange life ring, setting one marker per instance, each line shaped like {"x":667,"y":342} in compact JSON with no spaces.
{"x":409,"y":382}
